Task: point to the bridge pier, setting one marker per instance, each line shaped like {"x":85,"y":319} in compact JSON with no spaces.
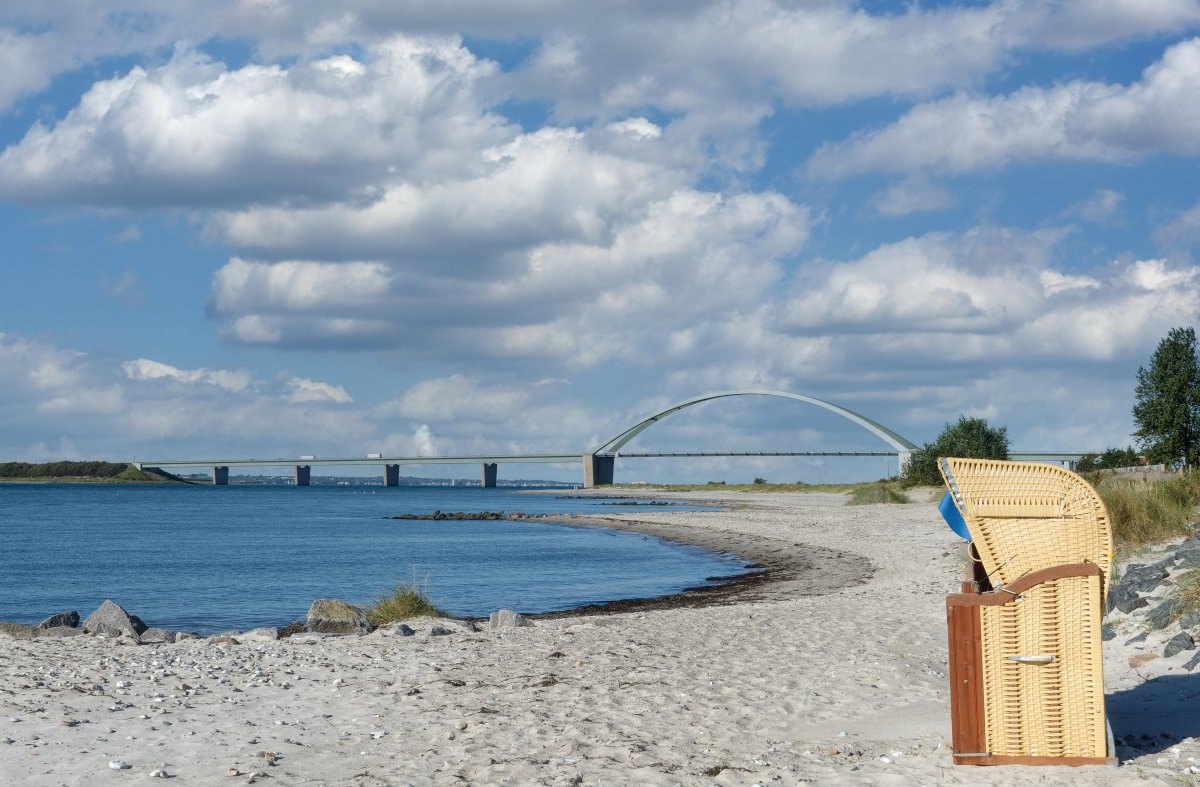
{"x":391,"y":475}
{"x":220,"y":476}
{"x":489,"y":475}
{"x":905,"y":458}
{"x":598,"y":470}
{"x":303,"y":474}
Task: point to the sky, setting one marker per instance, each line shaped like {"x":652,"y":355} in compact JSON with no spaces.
{"x":258,"y":228}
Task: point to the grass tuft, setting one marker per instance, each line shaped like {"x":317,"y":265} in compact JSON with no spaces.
{"x":406,"y":601}
{"x":1149,"y":512}
{"x":1187,"y":590}
{"x":876,"y":493}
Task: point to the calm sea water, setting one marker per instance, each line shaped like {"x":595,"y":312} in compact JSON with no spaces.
{"x":205,"y":559}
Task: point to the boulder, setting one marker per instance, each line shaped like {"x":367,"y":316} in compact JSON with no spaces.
{"x":1178,"y":643}
{"x":405,"y":630}
{"x":506,"y":618}
{"x":57,"y":632}
{"x":439,"y":631}
{"x":1190,"y":620}
{"x":1160,"y":617}
{"x":68,"y":619}
{"x":265,"y":634}
{"x":156,"y":635}
{"x":1132,"y":604}
{"x":1192,"y":663}
{"x":330,"y":616}
{"x":113,"y":621}
{"x":1108,"y":632}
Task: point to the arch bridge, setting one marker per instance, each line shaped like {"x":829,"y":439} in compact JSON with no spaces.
{"x":600,"y":463}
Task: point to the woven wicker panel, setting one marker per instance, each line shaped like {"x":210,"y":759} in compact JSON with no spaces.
{"x":1045,"y":710}
{"x":1025,"y":516}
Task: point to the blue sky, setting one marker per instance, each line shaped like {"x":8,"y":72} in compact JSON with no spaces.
{"x":268,"y":228}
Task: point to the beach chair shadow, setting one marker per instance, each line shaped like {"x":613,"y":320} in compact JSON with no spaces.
{"x":1155,"y":715}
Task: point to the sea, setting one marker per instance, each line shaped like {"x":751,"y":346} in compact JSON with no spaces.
{"x":207,"y":559}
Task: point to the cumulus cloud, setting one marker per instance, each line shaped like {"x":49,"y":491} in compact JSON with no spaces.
{"x":584,"y":299}
{"x":300,"y":389}
{"x":1074,"y":120}
{"x":194,"y":132}
{"x":146,"y":369}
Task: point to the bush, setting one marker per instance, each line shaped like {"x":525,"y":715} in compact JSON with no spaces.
{"x":406,"y":601}
{"x":968,"y":437}
{"x":876,"y":493}
{"x":1110,"y":459}
{"x":760,"y":481}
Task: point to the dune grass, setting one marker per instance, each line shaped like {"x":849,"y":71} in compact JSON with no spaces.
{"x":1187,"y":589}
{"x":876,"y":493}
{"x":1149,"y":512}
{"x":406,"y":601}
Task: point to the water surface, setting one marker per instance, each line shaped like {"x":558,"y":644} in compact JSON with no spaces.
{"x":205,"y":559}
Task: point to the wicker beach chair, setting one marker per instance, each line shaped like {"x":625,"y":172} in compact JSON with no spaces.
{"x":1026,"y":672}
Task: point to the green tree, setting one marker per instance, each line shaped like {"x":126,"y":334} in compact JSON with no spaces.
{"x":968,"y":437}
{"x":1167,"y":410}
{"x":1111,"y":458}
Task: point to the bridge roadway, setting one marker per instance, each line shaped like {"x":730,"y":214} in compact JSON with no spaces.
{"x":597,"y":468}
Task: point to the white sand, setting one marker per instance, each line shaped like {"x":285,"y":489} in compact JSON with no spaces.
{"x":785,"y":684}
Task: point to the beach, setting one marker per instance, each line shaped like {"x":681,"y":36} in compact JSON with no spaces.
{"x":831,"y":668}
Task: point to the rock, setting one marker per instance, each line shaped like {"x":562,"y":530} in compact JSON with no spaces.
{"x":1190,"y":620}
{"x":1132,"y":604}
{"x":57,"y":632}
{"x":1142,"y":659}
{"x":439,"y":631}
{"x":152,"y":636}
{"x":109,"y":619}
{"x":222,"y":639}
{"x":1188,"y":560}
{"x":1120,"y":594}
{"x":1193,"y":662}
{"x":506,"y":618}
{"x":67,"y":619}
{"x":1178,"y":643}
{"x":1108,"y":632}
{"x":17,"y":630}
{"x":118,"y":765}
{"x":1160,"y":617}
{"x":405,"y":630}
{"x":182,"y":635}
{"x":265,"y":634}
{"x":329,"y":616}
{"x":1139,"y":638}
{"x":1143,"y":579}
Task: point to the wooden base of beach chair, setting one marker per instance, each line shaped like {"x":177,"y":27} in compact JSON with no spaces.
{"x":1011,"y":708}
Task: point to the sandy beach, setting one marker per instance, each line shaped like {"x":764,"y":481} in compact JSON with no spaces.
{"x":831,"y":670}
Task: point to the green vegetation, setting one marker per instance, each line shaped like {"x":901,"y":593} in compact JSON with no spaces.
{"x":1111,"y":458}
{"x":877,"y":493}
{"x":1149,"y":512}
{"x":968,"y":437}
{"x":406,"y":601}
{"x":75,"y":471}
{"x":1187,"y":590}
{"x":1167,"y":410}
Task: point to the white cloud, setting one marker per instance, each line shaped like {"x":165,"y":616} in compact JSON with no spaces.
{"x":146,"y":369}
{"x":689,"y":257}
{"x":912,"y":195}
{"x":1074,"y":120}
{"x":1100,"y":205}
{"x":193,"y":132}
{"x":300,"y":389}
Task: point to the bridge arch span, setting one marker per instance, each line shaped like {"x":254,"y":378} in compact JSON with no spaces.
{"x":603,"y":456}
